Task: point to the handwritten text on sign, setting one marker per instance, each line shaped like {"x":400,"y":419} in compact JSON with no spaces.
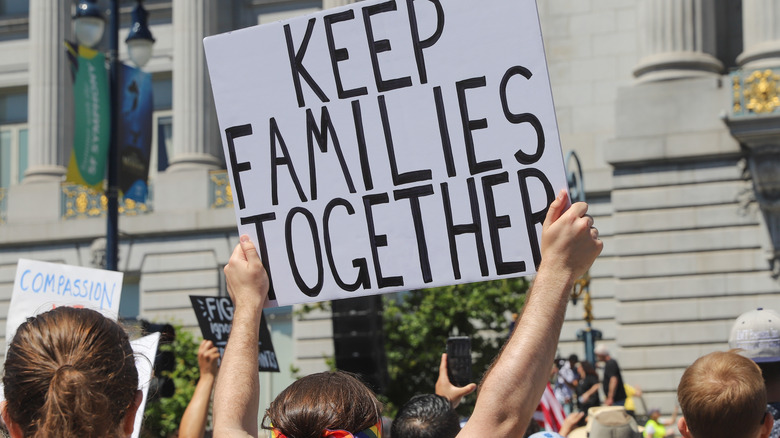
{"x":389,"y":145}
{"x":215,"y":318}
{"x":41,"y":286}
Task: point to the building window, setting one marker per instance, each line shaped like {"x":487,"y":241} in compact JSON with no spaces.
{"x":162,"y":125}
{"x":14,"y":8}
{"x":13,"y":138}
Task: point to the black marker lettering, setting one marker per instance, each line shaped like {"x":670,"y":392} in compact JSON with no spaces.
{"x":363,"y":280}
{"x":284,"y":160}
{"x":521,"y":156}
{"x":308,"y":291}
{"x":475,"y":166}
{"x":258,"y":221}
{"x":402,"y":178}
{"x":365,"y":167}
{"x":534,"y":217}
{"x":378,"y":240}
{"x":446,"y":144}
{"x":321,"y":137}
{"x":296,"y":64}
{"x":413,"y":194}
{"x":495,"y":223}
{"x":235,"y":167}
{"x":474,"y":228}
{"x":340,"y":54}
{"x":420,"y":45}
{"x":376,"y":47}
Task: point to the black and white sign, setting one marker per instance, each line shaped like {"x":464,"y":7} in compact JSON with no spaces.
{"x":389,"y":145}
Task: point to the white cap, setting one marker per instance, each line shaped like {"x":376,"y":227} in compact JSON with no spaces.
{"x":757,"y":334}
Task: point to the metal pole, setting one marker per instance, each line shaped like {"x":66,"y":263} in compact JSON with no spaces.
{"x":112,"y":191}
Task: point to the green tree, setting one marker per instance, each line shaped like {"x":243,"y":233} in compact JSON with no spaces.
{"x":418,"y":323}
{"x":162,"y":415}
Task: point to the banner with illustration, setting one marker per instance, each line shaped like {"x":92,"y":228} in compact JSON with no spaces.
{"x":92,"y":117}
{"x":135,"y":132}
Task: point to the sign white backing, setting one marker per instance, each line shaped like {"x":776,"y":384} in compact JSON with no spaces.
{"x":389,"y":145}
{"x":42,"y":286}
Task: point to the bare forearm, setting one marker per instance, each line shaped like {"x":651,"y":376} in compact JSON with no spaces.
{"x":236,"y":401}
{"x":613,"y":382}
{"x":193,"y":421}
{"x":514,"y":385}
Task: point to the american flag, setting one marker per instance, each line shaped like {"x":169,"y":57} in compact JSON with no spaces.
{"x":549,"y":414}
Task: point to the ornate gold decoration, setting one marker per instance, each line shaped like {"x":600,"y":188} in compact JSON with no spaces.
{"x":761,"y":91}
{"x":737,"y":86}
{"x":80,"y":202}
{"x":221,"y":192}
{"x":582,"y":289}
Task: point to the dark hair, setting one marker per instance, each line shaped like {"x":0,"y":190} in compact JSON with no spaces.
{"x":329,"y":400}
{"x":589,"y":369}
{"x":69,"y":372}
{"x":426,"y":416}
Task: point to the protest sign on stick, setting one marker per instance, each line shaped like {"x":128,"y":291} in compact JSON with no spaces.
{"x":389,"y":145}
{"x":215,"y":318}
{"x":42,"y":286}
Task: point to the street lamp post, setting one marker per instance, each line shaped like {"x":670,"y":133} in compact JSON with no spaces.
{"x":588,"y":335}
{"x":89,"y":26}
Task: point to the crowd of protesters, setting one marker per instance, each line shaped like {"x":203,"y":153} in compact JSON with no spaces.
{"x":71,"y":372}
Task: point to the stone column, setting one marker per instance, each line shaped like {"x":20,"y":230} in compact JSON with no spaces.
{"x":49,"y":92}
{"x":760,"y":34}
{"x":196,"y":140}
{"x":678,"y":40}
{"x":327,"y":4}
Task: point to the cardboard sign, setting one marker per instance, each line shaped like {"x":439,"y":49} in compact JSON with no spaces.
{"x":215,"y":318}
{"x":145,"y":350}
{"x":389,"y":145}
{"x":42,"y":286}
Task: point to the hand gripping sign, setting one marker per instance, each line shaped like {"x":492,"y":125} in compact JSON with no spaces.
{"x":389,"y":145}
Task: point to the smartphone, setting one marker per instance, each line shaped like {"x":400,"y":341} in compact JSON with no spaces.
{"x":459,"y":360}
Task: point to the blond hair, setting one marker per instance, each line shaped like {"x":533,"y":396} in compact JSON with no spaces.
{"x":722,"y":395}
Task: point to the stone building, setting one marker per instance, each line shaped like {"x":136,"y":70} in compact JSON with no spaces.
{"x":671,"y":105}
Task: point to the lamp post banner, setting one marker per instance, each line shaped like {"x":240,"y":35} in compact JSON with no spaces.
{"x":135,"y":131}
{"x":92,"y":123}
{"x":389,"y":145}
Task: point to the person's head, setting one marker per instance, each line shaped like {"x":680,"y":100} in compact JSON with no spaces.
{"x":655,"y":414}
{"x":722,"y":395}
{"x":602,"y":352}
{"x":333,"y":400}
{"x":426,"y":416}
{"x":573,"y":359}
{"x":70,"y":372}
{"x":586,"y":368}
{"x":756,"y":334}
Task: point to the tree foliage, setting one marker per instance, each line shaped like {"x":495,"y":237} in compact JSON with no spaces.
{"x":418,"y":323}
{"x":163,"y":415}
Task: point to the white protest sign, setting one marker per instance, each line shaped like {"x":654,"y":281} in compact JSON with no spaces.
{"x":145,"y":350}
{"x":389,"y":145}
{"x":42,"y":286}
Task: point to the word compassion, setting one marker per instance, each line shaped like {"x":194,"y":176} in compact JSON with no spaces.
{"x":412,"y":187}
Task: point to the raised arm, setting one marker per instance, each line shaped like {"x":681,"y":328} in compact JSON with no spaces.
{"x":513,"y":386}
{"x":193,"y":422}
{"x":236,"y":397}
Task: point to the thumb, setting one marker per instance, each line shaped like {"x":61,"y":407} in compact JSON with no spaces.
{"x":556,"y":208}
{"x":250,"y":251}
{"x":443,"y":365}
{"x":466,"y":390}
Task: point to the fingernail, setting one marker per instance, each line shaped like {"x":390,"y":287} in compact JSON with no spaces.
{"x":244,"y":238}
